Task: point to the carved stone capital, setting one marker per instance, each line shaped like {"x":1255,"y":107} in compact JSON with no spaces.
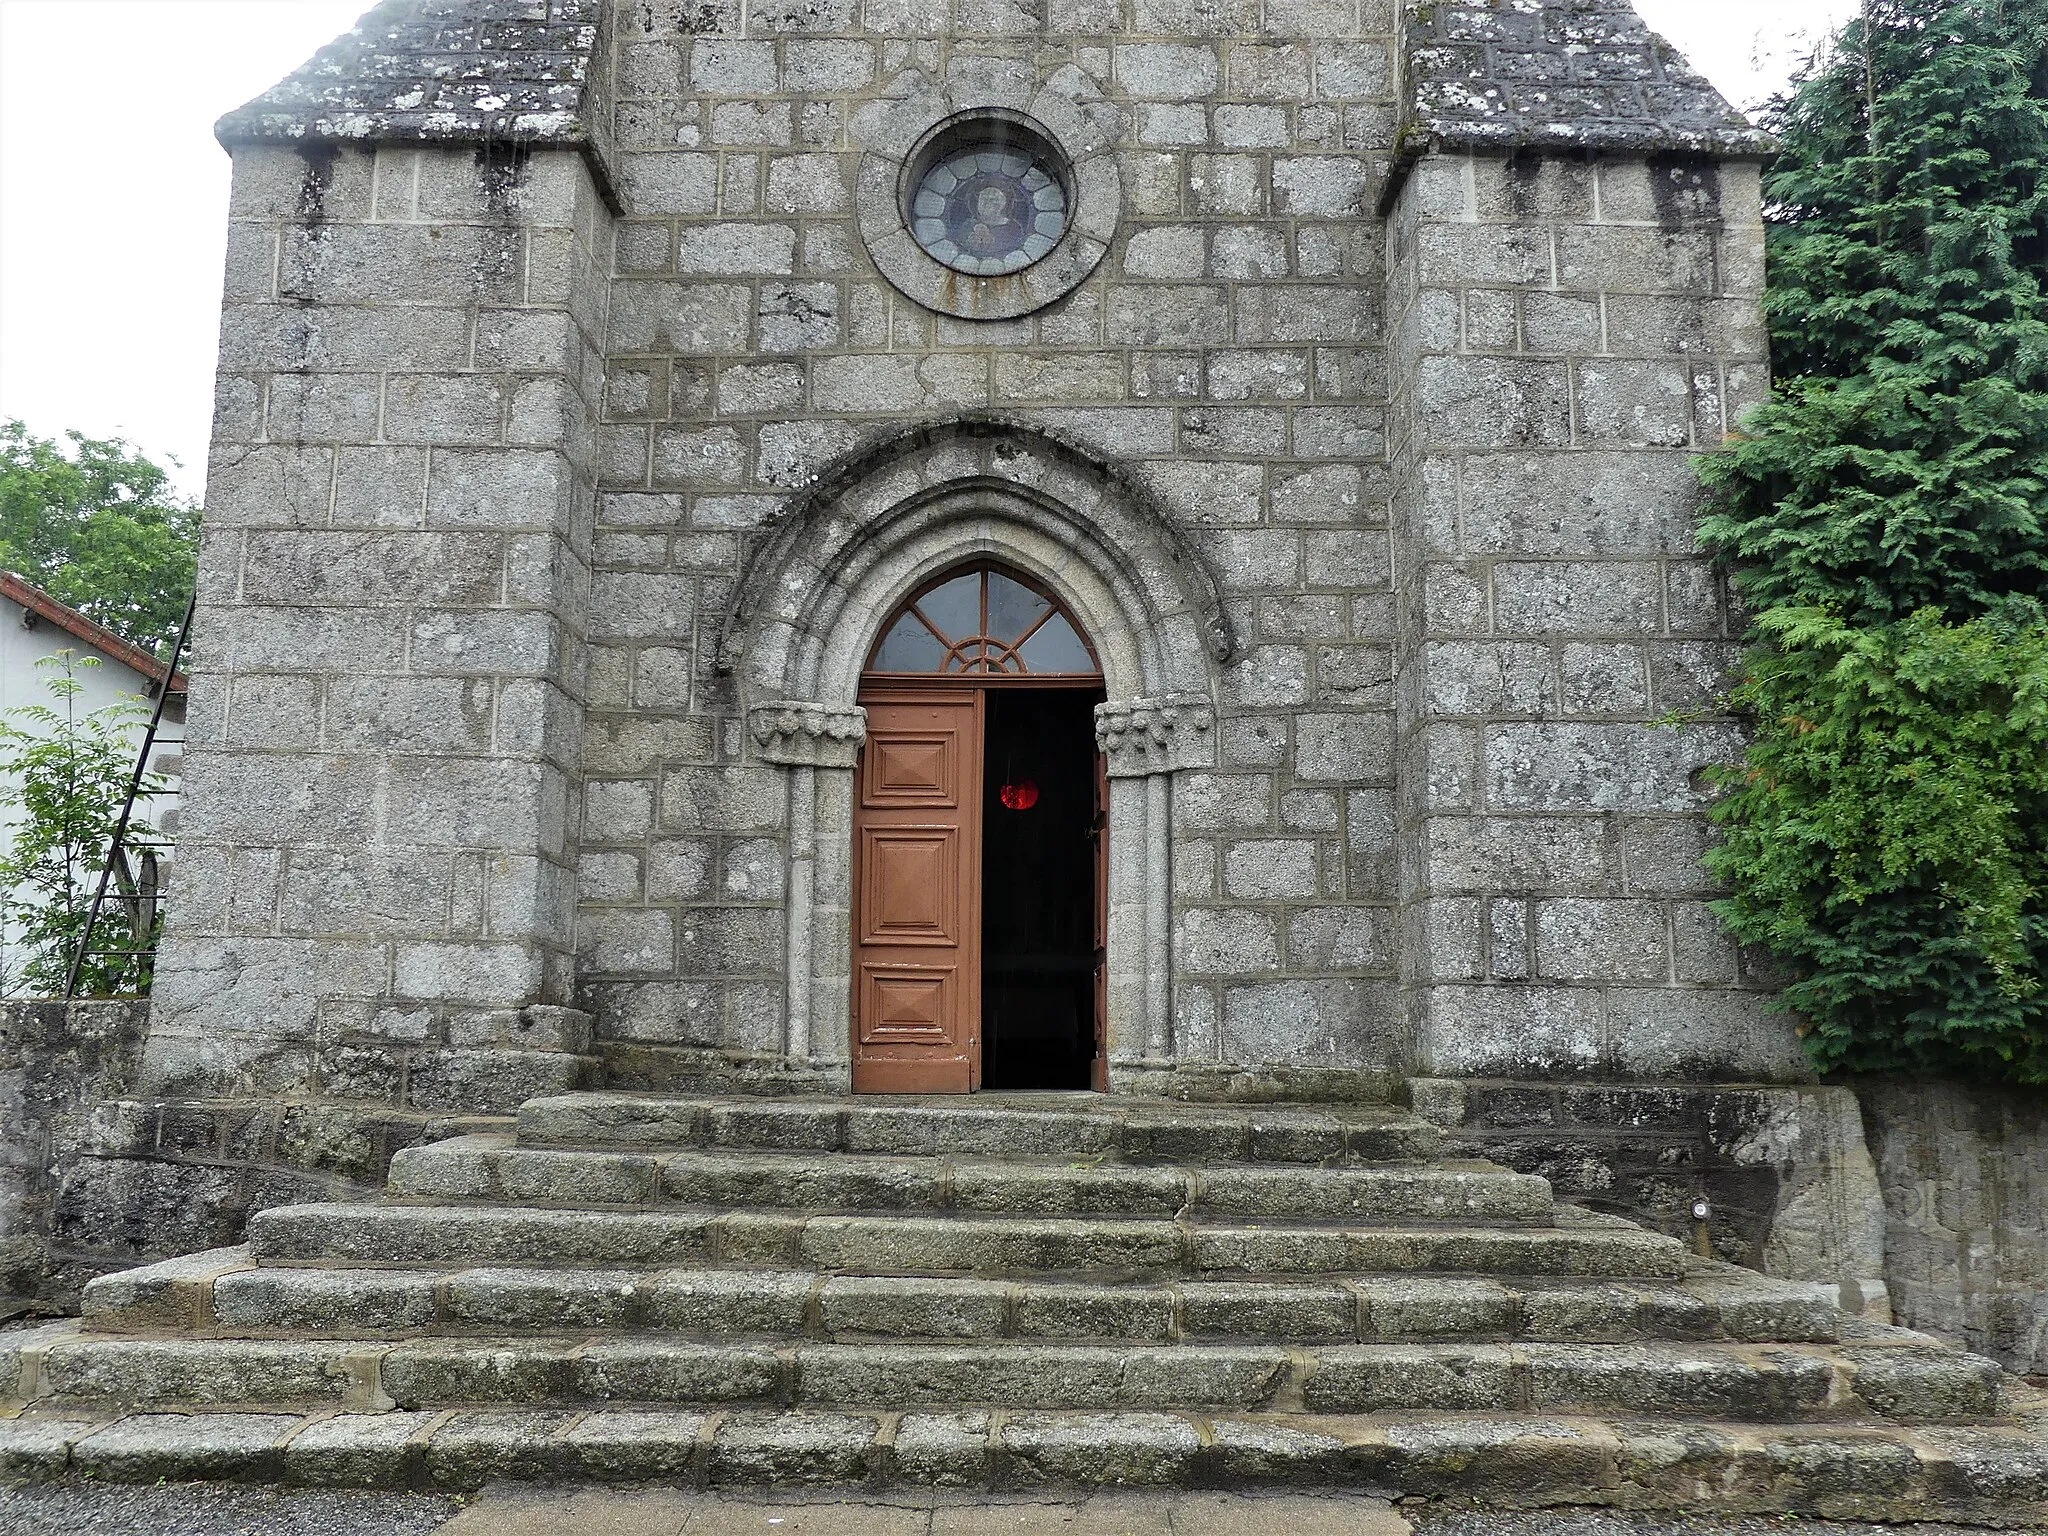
{"x":802,"y":735}
{"x":1147,"y":736}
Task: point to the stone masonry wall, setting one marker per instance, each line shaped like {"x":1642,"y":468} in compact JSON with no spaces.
{"x":376,"y":872}
{"x":1227,"y":353}
{"x":1964,"y":1170}
{"x":1926,"y":1202}
{"x":1788,"y":1183}
{"x":1565,"y":334}
{"x":93,"y":1178}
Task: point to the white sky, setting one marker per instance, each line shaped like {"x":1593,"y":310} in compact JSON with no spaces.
{"x":113,"y":195}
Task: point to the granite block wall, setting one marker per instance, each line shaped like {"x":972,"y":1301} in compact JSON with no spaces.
{"x":1925,"y":1203}
{"x":1226,"y":355}
{"x":1964,"y":1171}
{"x":1370,"y":456}
{"x":376,"y":868}
{"x":1565,"y":334}
{"x":1777,"y":1179}
{"x":94,"y":1177}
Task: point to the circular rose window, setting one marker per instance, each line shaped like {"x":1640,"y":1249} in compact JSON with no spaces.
{"x":990,"y":213}
{"x":989,"y":198}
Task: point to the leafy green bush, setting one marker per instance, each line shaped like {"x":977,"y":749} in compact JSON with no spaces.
{"x":64,"y":775}
{"x":1888,"y":836}
{"x":1886,"y":515}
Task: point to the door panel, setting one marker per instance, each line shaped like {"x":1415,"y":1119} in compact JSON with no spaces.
{"x":915,"y":769}
{"x":906,"y":1005}
{"x":917,"y":918}
{"x":912,"y":878}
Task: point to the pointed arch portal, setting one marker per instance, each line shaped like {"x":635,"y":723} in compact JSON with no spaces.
{"x":833,"y":641}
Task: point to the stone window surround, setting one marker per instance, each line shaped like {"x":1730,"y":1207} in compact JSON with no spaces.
{"x":802,"y":665}
{"x":1068,"y":113}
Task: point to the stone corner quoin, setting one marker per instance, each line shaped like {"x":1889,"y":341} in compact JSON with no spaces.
{"x":573,"y":441}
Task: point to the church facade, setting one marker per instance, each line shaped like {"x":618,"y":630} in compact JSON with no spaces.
{"x":780,"y":579}
{"x":611,"y":398}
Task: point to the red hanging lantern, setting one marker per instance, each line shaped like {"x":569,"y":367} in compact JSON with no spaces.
{"x":1020,"y":796}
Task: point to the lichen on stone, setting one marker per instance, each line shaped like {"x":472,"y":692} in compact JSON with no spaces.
{"x":1561,"y":75}
{"x":440,"y":70}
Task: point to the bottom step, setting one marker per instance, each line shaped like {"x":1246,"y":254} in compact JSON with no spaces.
{"x":1982,"y":1476}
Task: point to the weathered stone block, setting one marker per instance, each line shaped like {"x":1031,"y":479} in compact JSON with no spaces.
{"x":1585,"y":940}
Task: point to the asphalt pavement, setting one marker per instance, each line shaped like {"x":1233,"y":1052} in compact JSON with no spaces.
{"x":215,"y":1510}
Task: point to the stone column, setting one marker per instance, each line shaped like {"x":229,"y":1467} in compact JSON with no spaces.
{"x":377,"y":850}
{"x":1145,"y":742}
{"x":1566,"y":335}
{"x":820,"y":746}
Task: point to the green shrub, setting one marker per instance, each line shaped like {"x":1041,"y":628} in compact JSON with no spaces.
{"x":64,"y":776}
{"x":1888,"y":837}
{"x":1886,"y":518}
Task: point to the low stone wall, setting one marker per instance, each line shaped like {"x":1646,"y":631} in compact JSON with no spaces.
{"x":1964,"y":1171}
{"x":94,"y":1178}
{"x":54,"y":1062}
{"x":1788,"y":1183}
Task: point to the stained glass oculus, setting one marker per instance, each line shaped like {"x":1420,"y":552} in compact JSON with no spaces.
{"x":981,"y":623}
{"x":989,"y":207}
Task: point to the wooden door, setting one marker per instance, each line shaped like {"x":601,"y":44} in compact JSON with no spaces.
{"x":917,"y":908}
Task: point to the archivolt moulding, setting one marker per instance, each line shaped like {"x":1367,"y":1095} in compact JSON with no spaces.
{"x":863,"y":501}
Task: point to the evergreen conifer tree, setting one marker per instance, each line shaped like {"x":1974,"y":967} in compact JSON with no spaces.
{"x":1886,"y":515}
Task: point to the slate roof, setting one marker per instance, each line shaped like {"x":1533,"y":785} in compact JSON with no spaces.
{"x":426,"y":70}
{"x":1482,"y":74}
{"x":1560,"y":75}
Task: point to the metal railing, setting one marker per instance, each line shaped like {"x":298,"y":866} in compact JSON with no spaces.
{"x":133,"y":867}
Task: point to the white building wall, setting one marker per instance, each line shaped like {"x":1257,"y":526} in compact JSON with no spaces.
{"x":26,"y":640}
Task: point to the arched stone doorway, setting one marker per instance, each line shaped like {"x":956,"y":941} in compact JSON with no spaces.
{"x":980,"y":826}
{"x":833,"y":573}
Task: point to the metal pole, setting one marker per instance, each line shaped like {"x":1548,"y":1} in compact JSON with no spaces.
{"x":156,"y":719}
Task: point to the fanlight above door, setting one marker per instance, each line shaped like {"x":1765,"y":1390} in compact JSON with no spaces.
{"x":982,"y":623}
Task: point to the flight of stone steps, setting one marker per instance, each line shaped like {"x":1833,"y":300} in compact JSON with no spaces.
{"x":1005,"y":1292}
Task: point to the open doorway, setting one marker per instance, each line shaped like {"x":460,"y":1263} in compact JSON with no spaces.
{"x":979,"y":911}
{"x":1040,"y":813}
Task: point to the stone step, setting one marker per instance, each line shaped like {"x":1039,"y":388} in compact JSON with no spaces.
{"x":1896,"y":1382}
{"x":1963,"y":1475}
{"x":388,"y":1235}
{"x":1033,"y":1125}
{"x":225,"y":1294}
{"x":491,"y":1168}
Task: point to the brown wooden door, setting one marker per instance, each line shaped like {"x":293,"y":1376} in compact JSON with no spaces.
{"x":917,"y":908}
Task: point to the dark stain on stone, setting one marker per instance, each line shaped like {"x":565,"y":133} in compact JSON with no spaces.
{"x":1686,"y":190}
{"x":316,"y":182}
{"x":501,"y":170}
{"x":1644,"y":1152}
{"x":1525,"y":173}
